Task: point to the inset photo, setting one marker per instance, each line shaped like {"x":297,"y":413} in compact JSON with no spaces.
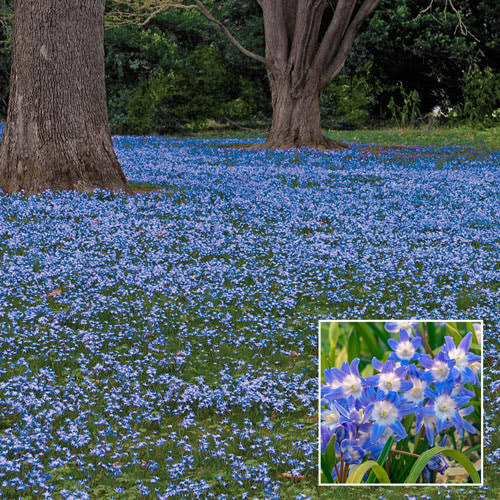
{"x":400,"y":402}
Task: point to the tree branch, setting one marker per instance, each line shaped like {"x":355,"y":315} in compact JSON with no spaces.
{"x":164,"y":8}
{"x":333,"y":36}
{"x":306,"y":32}
{"x":229,"y":35}
{"x":461,"y":26}
{"x":338,"y":62}
{"x":276,"y":35}
{"x":152,"y":8}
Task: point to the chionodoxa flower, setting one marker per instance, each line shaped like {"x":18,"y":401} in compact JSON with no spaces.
{"x":362,"y":413}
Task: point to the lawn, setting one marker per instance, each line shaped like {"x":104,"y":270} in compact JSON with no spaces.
{"x":486,"y":139}
{"x":164,"y":344}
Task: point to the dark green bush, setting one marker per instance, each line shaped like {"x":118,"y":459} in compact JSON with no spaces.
{"x":204,"y":89}
{"x":405,"y":110}
{"x":482,"y":97}
{"x":349,"y":100}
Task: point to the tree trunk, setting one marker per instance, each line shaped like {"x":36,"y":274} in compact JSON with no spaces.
{"x":57,"y":135}
{"x":296,"y":118}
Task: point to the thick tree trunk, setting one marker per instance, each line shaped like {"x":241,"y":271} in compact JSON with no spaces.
{"x":57,"y":135}
{"x":296,"y":118}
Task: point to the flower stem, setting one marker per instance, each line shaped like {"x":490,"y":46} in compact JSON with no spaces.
{"x":405,"y":453}
{"x":419,"y":437}
{"x":425,"y":341}
{"x":337,"y":471}
{"x":342,"y":467}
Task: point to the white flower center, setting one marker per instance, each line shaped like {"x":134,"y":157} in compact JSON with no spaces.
{"x":389,"y":382}
{"x":460,"y":357}
{"x":355,"y":455}
{"x":331,"y":418}
{"x":405,"y":325}
{"x":385,"y":413}
{"x":405,"y":350}
{"x":352,"y":385}
{"x":416,"y":393}
{"x":440,"y":370}
{"x":445,"y":407}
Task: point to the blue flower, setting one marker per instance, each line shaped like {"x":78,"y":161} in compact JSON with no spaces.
{"x":444,"y":407}
{"x":405,"y":350}
{"x":391,"y":378}
{"x":325,"y":436}
{"x":353,"y":411}
{"x":388,"y":410}
{"x":397,"y":326}
{"x":352,"y":453}
{"x":415,"y":394}
{"x":464,"y":360}
{"x":344,"y":382}
{"x":439,"y":369}
{"x":438,"y":463}
{"x":330,"y":418}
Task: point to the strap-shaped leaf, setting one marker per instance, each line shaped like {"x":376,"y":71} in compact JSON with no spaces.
{"x":422,"y":461}
{"x":453,"y":332}
{"x":356,"y":476}
{"x":329,"y":454}
{"x":325,"y":470}
{"x":353,"y":346}
{"x":369,"y":338}
{"x":382,"y":458}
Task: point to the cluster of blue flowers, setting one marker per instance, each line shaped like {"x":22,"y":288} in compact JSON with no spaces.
{"x":364,"y":412}
{"x":144,"y":338}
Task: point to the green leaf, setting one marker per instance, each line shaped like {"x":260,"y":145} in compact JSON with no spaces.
{"x":470,"y":328}
{"x":369,"y":338}
{"x":422,"y":461}
{"x":453,"y":332}
{"x":353,"y":346}
{"x":341,"y":356}
{"x":382,"y":457}
{"x":356,"y":476}
{"x":333,"y":333}
{"x":331,"y":356}
{"x":330,"y":453}
{"x":379,"y":331}
{"x":326,"y":472}
{"x":431,"y":334}
{"x":324,"y":362}
{"x":367,"y":371}
{"x":473,"y":448}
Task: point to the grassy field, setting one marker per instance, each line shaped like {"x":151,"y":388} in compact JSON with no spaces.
{"x":488,"y":139}
{"x":164,"y":345}
{"x":484,"y":140}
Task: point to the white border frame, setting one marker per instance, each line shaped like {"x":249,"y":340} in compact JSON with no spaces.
{"x":438,"y":485}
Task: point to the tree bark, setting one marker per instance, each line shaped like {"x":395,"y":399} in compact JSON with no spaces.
{"x":302,"y":61}
{"x":57,"y":134}
{"x":296,"y":118}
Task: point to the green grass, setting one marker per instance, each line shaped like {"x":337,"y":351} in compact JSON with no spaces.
{"x":486,"y":139}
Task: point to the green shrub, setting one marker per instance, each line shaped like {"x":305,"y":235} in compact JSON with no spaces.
{"x":349,"y":101}
{"x":408,"y":112}
{"x":481,"y":97}
{"x":244,"y":106}
{"x":184,"y":99}
{"x":140,"y":109}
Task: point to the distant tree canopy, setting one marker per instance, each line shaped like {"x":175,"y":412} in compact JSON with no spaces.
{"x":394,"y":54}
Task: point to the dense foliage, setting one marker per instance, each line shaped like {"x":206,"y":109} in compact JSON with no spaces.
{"x":167,"y":341}
{"x":166,"y":77}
